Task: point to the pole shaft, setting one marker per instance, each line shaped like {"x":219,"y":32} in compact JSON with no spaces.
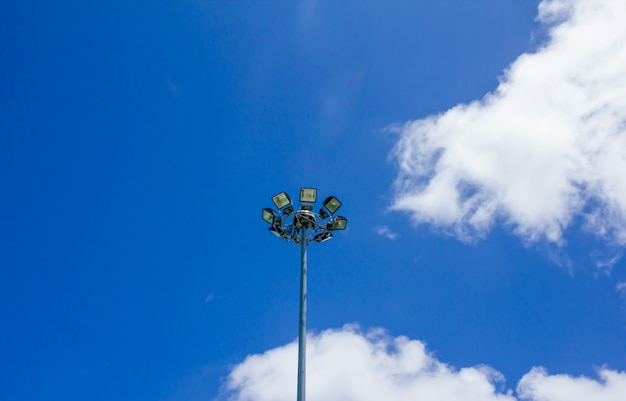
{"x":302,"y":330}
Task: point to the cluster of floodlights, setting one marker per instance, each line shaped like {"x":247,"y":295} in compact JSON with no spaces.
{"x":292,"y":225}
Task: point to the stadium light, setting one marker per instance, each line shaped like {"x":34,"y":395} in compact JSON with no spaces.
{"x":301,"y":227}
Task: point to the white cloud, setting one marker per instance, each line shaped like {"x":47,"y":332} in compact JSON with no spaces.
{"x":386,"y":232}
{"x":547,"y":146}
{"x":537,"y":385}
{"x":346,"y":365}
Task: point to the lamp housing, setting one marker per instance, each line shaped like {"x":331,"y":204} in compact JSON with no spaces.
{"x":308,"y":195}
{"x":278,"y":231}
{"x":268,"y":215}
{"x":281,"y":200}
{"x":338,"y":223}
{"x":323,"y":237}
{"x":332,"y":204}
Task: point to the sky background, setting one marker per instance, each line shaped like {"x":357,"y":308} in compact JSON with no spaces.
{"x":140,"y":141}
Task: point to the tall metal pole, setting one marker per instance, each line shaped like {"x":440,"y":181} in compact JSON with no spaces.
{"x":292,"y":225}
{"x":302,"y":331}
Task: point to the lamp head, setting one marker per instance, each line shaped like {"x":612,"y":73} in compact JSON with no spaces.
{"x":308,"y":195}
{"x":281,"y":200}
{"x":332,"y":204}
{"x":268,"y":215}
{"x":339,"y":223}
{"x":323,"y":237}
{"x":278,"y":231}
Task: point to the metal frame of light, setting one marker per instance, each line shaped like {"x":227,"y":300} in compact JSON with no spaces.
{"x":301,"y":227}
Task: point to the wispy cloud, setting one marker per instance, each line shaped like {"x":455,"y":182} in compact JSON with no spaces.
{"x":546,"y":147}
{"x":604,"y":263}
{"x":386,"y":232}
{"x":349,"y":365}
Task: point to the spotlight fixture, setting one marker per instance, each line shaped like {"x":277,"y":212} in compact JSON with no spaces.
{"x":279,"y":232}
{"x":308,"y":195}
{"x":323,"y":237}
{"x":281,"y":200}
{"x":332,"y":204}
{"x":339,"y":223}
{"x":269,"y":215}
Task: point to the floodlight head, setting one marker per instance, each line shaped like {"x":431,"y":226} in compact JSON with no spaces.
{"x":278,"y":231}
{"x":323,"y":237}
{"x":339,"y":223}
{"x":281,"y":200}
{"x":269,"y":215}
{"x":332,"y":204}
{"x":308,"y":195}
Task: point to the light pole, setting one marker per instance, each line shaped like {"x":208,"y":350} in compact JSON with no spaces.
{"x":301,"y":227}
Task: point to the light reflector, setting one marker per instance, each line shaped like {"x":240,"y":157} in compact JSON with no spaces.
{"x":332,"y":204}
{"x":308,"y":195}
{"x":268,"y":215}
{"x":339,"y":223}
{"x":281,"y":200}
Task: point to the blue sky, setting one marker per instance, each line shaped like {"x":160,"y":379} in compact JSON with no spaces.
{"x":478,"y":154}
